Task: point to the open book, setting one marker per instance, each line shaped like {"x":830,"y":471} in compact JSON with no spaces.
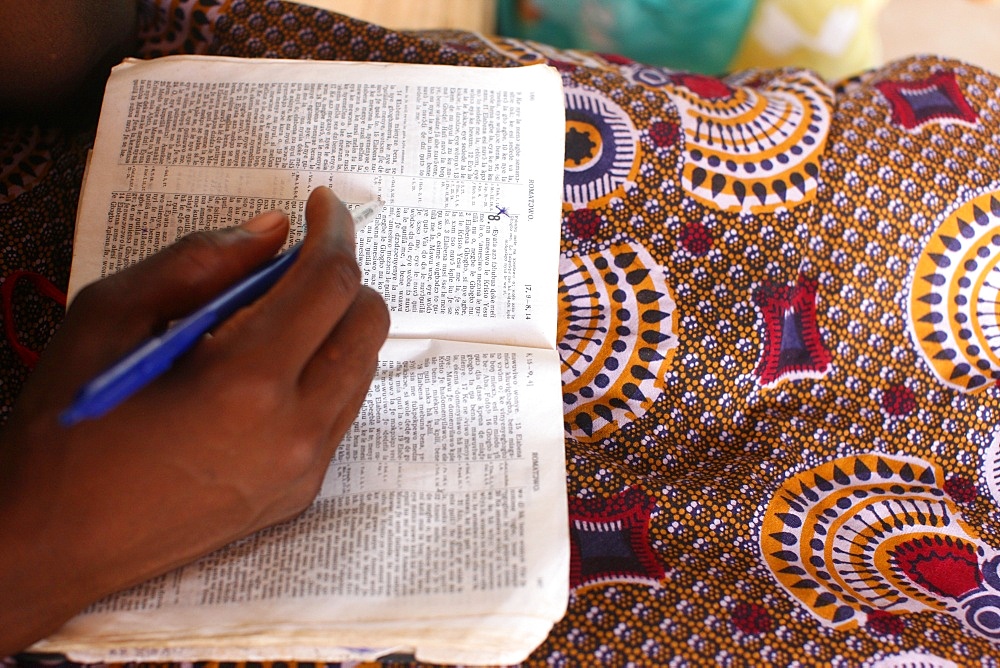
{"x":441,"y":528}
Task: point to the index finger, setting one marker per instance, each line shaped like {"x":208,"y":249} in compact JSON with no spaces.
{"x":302,"y":308}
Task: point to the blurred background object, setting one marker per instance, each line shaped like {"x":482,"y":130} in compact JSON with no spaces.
{"x":697,"y":36}
{"x":835,"y":37}
{"x":478,"y":15}
{"x":961,"y":29}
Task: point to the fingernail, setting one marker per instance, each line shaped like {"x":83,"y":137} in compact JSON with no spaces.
{"x":265,"y":222}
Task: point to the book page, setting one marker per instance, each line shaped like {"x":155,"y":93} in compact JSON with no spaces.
{"x":446,"y":499}
{"x":467,"y":160}
{"x":441,"y":525}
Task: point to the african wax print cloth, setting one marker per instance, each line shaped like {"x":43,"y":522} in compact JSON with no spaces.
{"x":780,"y":337}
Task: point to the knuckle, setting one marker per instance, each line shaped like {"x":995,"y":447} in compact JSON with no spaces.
{"x":343,"y":272}
{"x":300,"y":458}
{"x":376,"y":311}
{"x":334,"y":271}
{"x":372,"y":311}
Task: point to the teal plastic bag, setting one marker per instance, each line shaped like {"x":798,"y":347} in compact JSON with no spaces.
{"x":691,"y":35}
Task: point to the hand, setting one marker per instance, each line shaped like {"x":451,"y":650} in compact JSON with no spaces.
{"x":235,"y":437}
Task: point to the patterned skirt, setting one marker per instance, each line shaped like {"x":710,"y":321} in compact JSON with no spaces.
{"x":779,"y":335}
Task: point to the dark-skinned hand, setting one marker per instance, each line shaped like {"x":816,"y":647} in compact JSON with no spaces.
{"x":234,"y":438}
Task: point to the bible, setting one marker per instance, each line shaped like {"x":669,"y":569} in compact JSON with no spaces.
{"x":441,"y":527}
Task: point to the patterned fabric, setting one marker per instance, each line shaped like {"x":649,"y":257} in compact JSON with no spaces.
{"x":779,"y":331}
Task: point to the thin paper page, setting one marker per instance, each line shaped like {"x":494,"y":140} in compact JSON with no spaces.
{"x":442,"y":521}
{"x":466,"y":159}
{"x":398,"y":531}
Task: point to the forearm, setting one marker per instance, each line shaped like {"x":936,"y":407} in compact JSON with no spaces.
{"x":233,"y":438}
{"x":73,"y":534}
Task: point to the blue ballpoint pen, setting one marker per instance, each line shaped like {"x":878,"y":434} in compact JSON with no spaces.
{"x":157,"y":354}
